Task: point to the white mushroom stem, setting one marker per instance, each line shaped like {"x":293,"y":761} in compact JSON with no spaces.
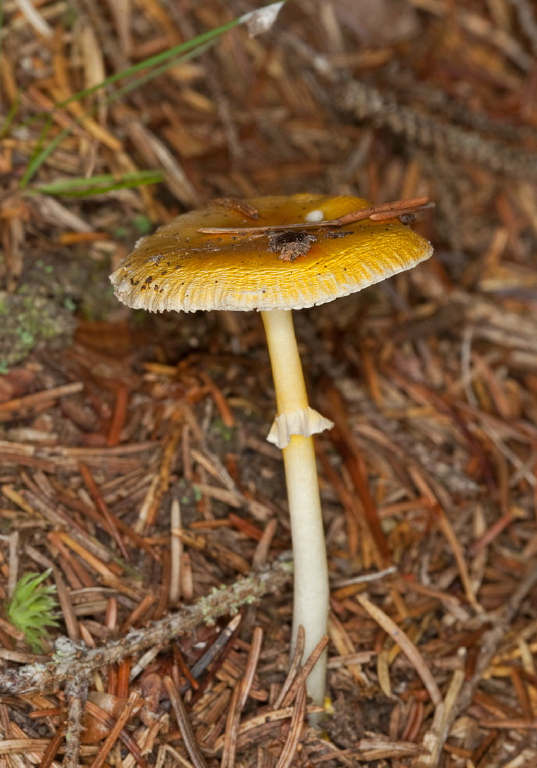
{"x":309,"y":548}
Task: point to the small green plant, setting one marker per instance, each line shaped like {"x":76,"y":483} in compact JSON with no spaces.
{"x":33,"y":608}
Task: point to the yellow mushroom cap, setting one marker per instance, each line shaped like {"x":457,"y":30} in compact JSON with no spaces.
{"x":180,"y":268}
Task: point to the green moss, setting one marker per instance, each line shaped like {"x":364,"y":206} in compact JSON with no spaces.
{"x":29,"y":321}
{"x":226,"y":433}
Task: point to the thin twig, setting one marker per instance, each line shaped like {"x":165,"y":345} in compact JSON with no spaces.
{"x":238,"y":700}
{"x":301,"y":677}
{"x":437,"y":734}
{"x":293,"y":668}
{"x":185,"y":727}
{"x":113,"y":736}
{"x":82,"y":662}
{"x":378,"y":213}
{"x":108,"y":722}
{"x":215,"y":650}
{"x":251,"y":665}
{"x":53,"y":747}
{"x":176,"y":552}
{"x":232,"y":725}
{"x":295,"y":731}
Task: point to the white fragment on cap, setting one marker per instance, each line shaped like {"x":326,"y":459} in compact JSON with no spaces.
{"x":316,"y":215}
{"x":262,"y":19}
{"x":305,"y":422}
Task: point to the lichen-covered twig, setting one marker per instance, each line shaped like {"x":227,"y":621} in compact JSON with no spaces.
{"x":74,"y":662}
{"x":367,"y":102}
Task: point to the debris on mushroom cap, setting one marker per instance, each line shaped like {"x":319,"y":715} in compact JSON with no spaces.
{"x":181,"y":268}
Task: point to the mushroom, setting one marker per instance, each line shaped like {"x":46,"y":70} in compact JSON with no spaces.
{"x":276,"y":254}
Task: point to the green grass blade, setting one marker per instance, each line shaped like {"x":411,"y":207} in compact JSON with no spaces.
{"x":153,"y":61}
{"x":166,"y":58}
{"x":97,"y":185}
{"x":160,"y":62}
{"x":13,"y":109}
{"x":40,"y":156}
{"x":143,"y":79}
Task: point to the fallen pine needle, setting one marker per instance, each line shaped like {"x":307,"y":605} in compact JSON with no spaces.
{"x":406,"y":645}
